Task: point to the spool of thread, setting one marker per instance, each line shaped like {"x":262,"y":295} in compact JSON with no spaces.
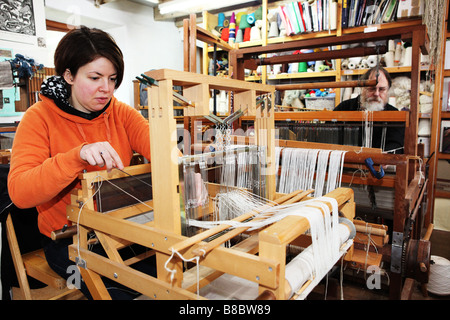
{"x":439,"y":279}
{"x":247,"y":32}
{"x":255,"y":33}
{"x":243,"y":24}
{"x":407,"y":57}
{"x":398,"y":53}
{"x":232,"y":28}
{"x":276,"y":69}
{"x":391,"y":45}
{"x":225,"y":34}
{"x":226,"y":23}
{"x":273,"y":30}
{"x":258,"y":13}
{"x":251,"y":18}
{"x":272,"y":16}
{"x":238,"y":18}
{"x":239,"y":36}
{"x":389,"y":59}
{"x":220,"y":19}
{"x":302,"y":67}
{"x":323,"y":67}
{"x":318,"y":64}
{"x":293,"y":67}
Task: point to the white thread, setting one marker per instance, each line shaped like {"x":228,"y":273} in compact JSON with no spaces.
{"x":298,"y":167}
{"x":91,"y":186}
{"x":173,"y":271}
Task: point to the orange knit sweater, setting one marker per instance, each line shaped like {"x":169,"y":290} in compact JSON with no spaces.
{"x":45,"y":159}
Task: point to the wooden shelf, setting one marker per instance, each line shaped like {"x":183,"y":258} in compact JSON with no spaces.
{"x":442,"y":194}
{"x":385,"y":116}
{"x":443,"y":156}
{"x":445,"y":114}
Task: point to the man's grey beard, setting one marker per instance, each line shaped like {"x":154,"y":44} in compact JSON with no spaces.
{"x":372,"y":105}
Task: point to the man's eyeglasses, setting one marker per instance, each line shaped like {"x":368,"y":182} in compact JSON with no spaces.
{"x":380,"y":89}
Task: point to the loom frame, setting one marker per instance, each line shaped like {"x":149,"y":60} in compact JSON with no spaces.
{"x":113,"y":231}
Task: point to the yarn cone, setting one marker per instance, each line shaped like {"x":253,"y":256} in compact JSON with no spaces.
{"x":247,"y":32}
{"x":225,"y":34}
{"x":232,"y":29}
{"x":221,"y":19}
{"x":243,"y":24}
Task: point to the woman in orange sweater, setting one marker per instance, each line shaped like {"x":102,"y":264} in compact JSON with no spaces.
{"x":79,"y":125}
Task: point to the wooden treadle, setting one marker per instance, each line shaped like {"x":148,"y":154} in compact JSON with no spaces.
{"x":37,"y":267}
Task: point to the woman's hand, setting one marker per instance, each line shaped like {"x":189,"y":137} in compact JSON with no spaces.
{"x":101,"y":154}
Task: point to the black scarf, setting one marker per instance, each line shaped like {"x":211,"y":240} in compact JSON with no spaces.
{"x":56,"y":88}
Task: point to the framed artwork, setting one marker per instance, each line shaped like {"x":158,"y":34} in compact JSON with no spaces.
{"x":18,"y":21}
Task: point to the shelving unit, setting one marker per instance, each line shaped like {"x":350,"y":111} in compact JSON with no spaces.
{"x":438,"y":115}
{"x":359,"y":34}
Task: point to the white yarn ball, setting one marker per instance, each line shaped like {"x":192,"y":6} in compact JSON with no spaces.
{"x":439,"y":281}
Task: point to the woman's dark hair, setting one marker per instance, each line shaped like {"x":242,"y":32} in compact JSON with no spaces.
{"x":373,"y":71}
{"x":83,"y":45}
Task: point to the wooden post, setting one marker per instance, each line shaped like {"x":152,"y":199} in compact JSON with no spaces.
{"x":165,"y":180}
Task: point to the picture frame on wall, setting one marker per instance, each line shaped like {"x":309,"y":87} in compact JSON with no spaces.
{"x":18,"y":21}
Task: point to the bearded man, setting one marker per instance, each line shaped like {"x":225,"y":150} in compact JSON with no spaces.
{"x":390,"y":137}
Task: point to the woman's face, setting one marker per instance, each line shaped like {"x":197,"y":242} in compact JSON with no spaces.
{"x":93,"y":85}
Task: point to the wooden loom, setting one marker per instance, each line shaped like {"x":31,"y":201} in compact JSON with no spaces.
{"x":163,"y":234}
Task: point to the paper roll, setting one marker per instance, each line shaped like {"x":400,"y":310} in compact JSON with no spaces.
{"x":344,"y":64}
{"x":371,"y":61}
